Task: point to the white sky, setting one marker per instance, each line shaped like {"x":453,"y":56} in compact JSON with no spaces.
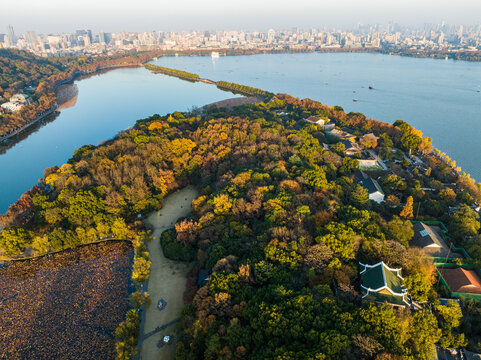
{"x":54,"y":16}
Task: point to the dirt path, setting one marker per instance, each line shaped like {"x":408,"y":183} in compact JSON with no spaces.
{"x":168,"y":278}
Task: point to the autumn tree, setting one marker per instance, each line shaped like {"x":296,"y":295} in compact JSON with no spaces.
{"x":14,"y":239}
{"x":418,"y":286}
{"x":186,"y":231}
{"x":368,"y":142}
{"x":407,"y":211}
{"x":393,"y":201}
{"x":222,"y":204}
{"x":126,"y":336}
{"x":448,"y":195}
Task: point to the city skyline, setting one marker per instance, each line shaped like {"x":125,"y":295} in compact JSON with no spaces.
{"x":436,"y":37}
{"x":55,"y":16}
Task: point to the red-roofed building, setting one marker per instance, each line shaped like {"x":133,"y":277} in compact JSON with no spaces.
{"x":462,"y":281}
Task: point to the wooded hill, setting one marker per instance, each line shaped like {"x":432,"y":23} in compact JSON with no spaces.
{"x":280,"y":225}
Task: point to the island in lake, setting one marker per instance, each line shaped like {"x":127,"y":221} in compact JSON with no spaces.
{"x":306,"y":232}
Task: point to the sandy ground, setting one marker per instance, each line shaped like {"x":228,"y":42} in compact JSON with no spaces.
{"x":168,"y":278}
{"x":230,"y":103}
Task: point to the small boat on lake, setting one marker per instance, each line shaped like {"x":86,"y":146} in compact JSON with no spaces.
{"x":354,"y":100}
{"x":371,"y":88}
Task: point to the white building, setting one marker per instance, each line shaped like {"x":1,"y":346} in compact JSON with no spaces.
{"x":20,"y":98}
{"x":368,"y":163}
{"x":16,"y":102}
{"x":373,"y":188}
{"x":11,"y":106}
{"x":315,"y":120}
{"x":324,"y":123}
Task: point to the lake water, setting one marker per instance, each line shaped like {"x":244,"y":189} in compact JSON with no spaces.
{"x":106,"y":104}
{"x":439,"y":97}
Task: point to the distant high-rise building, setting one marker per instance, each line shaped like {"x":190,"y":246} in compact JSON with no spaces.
{"x":11,"y":35}
{"x":86,"y":40}
{"x":89,"y":34}
{"x":102,"y":38}
{"x":460,"y":31}
{"x":441,"y":39}
{"x":31,"y":37}
{"x":271,"y":34}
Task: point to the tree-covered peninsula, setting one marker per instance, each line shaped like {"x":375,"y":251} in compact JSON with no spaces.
{"x":281,"y":226}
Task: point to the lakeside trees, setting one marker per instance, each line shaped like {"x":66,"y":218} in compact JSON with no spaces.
{"x":223,"y":85}
{"x":172,"y":72}
{"x":244,"y":89}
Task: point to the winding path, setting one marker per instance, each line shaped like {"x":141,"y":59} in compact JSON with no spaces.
{"x":167,"y":279}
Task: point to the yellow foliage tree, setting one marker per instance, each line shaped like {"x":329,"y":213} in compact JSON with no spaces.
{"x":426,"y":145}
{"x":182,"y":146}
{"x":407,"y":211}
{"x":156,"y":126}
{"x":222,"y":204}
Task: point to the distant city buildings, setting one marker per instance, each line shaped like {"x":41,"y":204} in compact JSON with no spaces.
{"x":388,"y":37}
{"x":11,"y":36}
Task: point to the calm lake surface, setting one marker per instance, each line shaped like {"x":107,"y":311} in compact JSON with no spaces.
{"x":106,"y":104}
{"x":439,"y":97}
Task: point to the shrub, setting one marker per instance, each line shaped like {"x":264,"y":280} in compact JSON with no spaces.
{"x":173,"y":250}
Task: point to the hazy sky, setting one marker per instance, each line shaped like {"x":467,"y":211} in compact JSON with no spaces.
{"x":54,"y":16}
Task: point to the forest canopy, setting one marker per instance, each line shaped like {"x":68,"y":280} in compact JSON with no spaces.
{"x":281,"y":225}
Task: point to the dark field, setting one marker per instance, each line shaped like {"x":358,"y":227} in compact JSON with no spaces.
{"x":65,"y":306}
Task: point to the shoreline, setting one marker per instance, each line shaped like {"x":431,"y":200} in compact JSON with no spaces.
{"x":20,"y":130}
{"x":6,"y":146}
{"x":80,"y":75}
{"x":413,"y":53}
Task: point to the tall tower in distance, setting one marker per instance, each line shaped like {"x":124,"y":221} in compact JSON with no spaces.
{"x":102,"y":38}
{"x":31,"y":37}
{"x":11,"y":36}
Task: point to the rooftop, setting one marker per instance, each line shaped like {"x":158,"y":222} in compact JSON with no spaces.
{"x":462,"y":280}
{"x":371,"y":185}
{"x":425,"y":236}
{"x":430,"y":239}
{"x":381,"y":283}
